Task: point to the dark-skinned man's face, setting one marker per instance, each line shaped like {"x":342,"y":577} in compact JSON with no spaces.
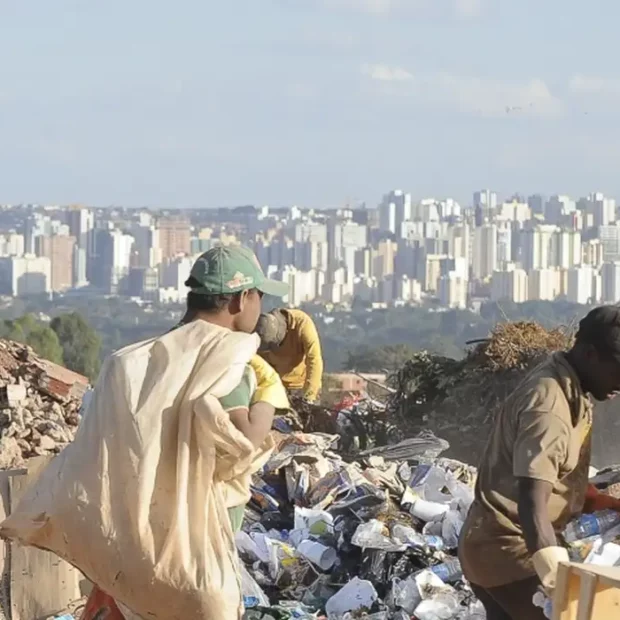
{"x":602,"y":374}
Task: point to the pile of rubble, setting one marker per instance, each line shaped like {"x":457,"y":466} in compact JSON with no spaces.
{"x":39,"y":405}
{"x":375,"y":538}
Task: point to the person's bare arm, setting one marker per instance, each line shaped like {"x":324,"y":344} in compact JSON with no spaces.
{"x":255,"y":423}
{"x":533,"y":509}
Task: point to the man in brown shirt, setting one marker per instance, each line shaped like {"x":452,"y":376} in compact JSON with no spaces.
{"x":534,"y":473}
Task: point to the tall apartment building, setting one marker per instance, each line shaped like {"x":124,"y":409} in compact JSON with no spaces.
{"x":537,"y":204}
{"x":582,"y":285}
{"x":173,"y":273}
{"x":310,"y":232}
{"x":537,"y":247}
{"x":309,"y":255}
{"x":12,"y":244}
{"x":147,"y":250}
{"x":452,"y":291}
{"x":460,"y":239}
{"x":395,"y":208}
{"x":114,"y":249}
{"x":484,"y":251}
{"x":515,"y":211}
{"x":485,"y":206}
{"x":544,"y":284}
{"x":593,"y":253}
{"x":174,"y":236}
{"x":602,"y":209}
{"x":342,"y":235}
{"x":22,"y":276}
{"x":511,"y":285}
{"x":610,"y":276}
{"x":568,"y":251}
{"x":60,"y":249}
{"x":557,"y":208}
{"x":609,"y":237}
{"x":383,"y":259}
{"x":81,"y":222}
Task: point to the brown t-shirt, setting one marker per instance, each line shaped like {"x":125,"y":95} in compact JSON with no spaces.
{"x":541,"y":432}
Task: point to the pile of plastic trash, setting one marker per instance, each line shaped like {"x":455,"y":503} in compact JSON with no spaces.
{"x":372,"y":539}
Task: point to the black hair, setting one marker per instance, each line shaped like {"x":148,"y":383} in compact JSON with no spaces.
{"x":199,"y":302}
{"x":207,"y":303}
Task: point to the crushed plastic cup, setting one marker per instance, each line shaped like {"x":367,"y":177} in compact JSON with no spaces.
{"x":320,"y":555}
{"x":428,"y":511}
{"x":372,"y":535}
{"x":442,"y":605}
{"x":357,"y":594}
{"x":408,"y":595}
{"x":546,"y":604}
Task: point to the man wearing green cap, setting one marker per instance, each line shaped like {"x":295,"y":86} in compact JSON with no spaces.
{"x":226,"y":287}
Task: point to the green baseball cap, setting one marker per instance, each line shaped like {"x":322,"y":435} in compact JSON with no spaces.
{"x":231,"y":269}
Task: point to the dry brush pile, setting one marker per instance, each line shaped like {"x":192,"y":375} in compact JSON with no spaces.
{"x":457,"y":399}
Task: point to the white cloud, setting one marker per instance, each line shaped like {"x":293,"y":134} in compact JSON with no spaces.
{"x":377,"y":7}
{"x":480,"y":96}
{"x":460,"y":8}
{"x":468,"y":8}
{"x":593,"y":85}
{"x":385,"y":73}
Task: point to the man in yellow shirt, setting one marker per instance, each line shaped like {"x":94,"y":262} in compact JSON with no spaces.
{"x":290,"y":344}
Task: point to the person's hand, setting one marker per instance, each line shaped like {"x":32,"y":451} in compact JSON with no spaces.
{"x":595,"y":501}
{"x":546,"y":563}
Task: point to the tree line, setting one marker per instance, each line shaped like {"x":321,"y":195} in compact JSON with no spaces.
{"x":84,"y":330}
{"x":67,"y":340}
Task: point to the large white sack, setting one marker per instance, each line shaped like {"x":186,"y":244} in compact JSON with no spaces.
{"x":138,"y":502}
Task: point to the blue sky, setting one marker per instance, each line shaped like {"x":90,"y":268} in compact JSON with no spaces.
{"x":312,"y":102}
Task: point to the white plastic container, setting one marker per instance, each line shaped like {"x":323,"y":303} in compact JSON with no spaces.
{"x":320,"y":555}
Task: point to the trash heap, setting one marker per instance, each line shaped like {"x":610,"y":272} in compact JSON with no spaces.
{"x":375,"y":538}
{"x":457,"y":399}
{"x":39,"y":405}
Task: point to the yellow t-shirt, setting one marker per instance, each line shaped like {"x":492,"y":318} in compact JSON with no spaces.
{"x":298,"y":360}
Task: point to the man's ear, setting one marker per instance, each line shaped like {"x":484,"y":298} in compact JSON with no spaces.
{"x":238,"y":302}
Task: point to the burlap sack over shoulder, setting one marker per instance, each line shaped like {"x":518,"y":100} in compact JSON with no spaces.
{"x":138,"y":502}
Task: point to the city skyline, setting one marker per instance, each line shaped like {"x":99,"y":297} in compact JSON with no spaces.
{"x":324,"y":102}
{"x":429,"y":253}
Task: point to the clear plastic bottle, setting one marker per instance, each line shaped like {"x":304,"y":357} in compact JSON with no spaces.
{"x":448,"y":571}
{"x":546,"y":604}
{"x":591,"y":525}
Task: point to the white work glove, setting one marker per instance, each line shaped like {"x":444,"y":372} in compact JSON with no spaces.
{"x":546,"y":563}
